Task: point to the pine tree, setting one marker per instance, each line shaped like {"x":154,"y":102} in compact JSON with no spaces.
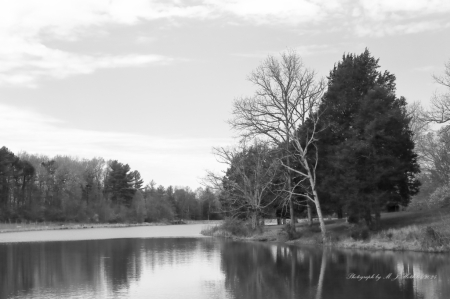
{"x":366,"y":146}
{"x":119,"y":183}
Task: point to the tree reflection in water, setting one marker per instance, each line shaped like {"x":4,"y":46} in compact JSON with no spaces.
{"x":275,"y":271}
{"x":209,"y":268}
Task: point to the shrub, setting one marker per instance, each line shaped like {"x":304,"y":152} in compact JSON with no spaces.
{"x":209,"y":230}
{"x":291,"y":234}
{"x":433,"y":238}
{"x":235,"y":227}
{"x":440,"y":197}
{"x":158,"y":210}
{"x":230,"y":227}
{"x":104,"y":211}
{"x":314,"y":229}
{"x":359,"y":233}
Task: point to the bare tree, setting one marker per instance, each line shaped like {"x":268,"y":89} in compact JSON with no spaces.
{"x":439,"y":111}
{"x":246,"y":184}
{"x":286,"y":98}
{"x":435,"y":155}
{"x":418,"y":125}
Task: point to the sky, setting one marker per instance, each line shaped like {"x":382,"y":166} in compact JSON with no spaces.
{"x":151,"y":83}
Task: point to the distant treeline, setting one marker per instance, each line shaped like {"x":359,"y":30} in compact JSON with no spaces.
{"x":62,"y":188}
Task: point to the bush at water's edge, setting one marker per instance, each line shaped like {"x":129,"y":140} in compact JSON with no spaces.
{"x":229,"y":228}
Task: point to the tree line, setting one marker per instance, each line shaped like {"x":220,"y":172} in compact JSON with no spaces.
{"x":342,"y":146}
{"x":38,"y":188}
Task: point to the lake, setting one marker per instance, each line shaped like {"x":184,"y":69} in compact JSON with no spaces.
{"x":138,"y":263}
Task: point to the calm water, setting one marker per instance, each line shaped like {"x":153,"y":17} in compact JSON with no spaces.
{"x":207,"y":268}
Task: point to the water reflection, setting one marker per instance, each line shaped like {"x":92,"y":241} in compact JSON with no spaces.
{"x":121,"y":268}
{"x":270,"y":271}
{"x":207,"y":268}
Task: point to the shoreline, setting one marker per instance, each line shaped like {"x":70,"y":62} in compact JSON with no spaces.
{"x":403,"y":231}
{"x":17,"y":228}
{"x":370,"y":245}
{"x":53,"y":226}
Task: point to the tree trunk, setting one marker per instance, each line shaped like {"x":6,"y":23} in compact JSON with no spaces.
{"x":291,"y":202}
{"x":310,"y":219}
{"x":377,"y":219}
{"x":316,"y":200}
{"x":320,"y":216}
{"x":254,"y":219}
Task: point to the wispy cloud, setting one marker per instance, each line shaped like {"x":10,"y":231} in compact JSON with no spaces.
{"x":271,"y":12}
{"x":26,"y":67}
{"x":386,"y":17}
{"x":25,"y":24}
{"x":360,"y":17}
{"x":166,"y":160}
{"x":25,"y":58}
{"x":304,"y":50}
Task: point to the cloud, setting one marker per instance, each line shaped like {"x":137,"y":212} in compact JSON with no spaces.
{"x":166,"y":160}
{"x":403,"y":8}
{"x":386,"y":17}
{"x":363,"y":17}
{"x":265,"y":12}
{"x":28,"y":64}
{"x":304,"y":51}
{"x":24,"y":24}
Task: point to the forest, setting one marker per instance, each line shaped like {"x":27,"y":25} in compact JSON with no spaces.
{"x":344,"y":146}
{"x":38,"y":188}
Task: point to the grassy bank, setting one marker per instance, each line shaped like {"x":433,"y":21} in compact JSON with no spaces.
{"x":427,"y":230}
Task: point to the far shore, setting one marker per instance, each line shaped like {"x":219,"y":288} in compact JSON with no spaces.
{"x":44,"y":226}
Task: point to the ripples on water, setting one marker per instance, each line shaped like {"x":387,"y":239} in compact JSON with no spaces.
{"x":208,"y":268}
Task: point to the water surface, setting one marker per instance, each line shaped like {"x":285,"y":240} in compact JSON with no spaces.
{"x":210,"y":268}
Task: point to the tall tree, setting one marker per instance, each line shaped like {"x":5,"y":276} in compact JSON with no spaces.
{"x":366,"y":145}
{"x":286,"y":96}
{"x":7,"y":161}
{"x":138,"y":182}
{"x":119,"y":183}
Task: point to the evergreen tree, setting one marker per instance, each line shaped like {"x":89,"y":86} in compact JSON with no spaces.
{"x":138,"y":182}
{"x":365,"y":146}
{"x":119,"y":183}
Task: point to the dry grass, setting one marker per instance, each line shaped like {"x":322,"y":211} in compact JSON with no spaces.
{"x":427,"y":230}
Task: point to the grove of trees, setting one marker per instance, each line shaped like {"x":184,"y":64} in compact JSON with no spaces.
{"x":344,"y":148}
{"x":38,"y":188}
